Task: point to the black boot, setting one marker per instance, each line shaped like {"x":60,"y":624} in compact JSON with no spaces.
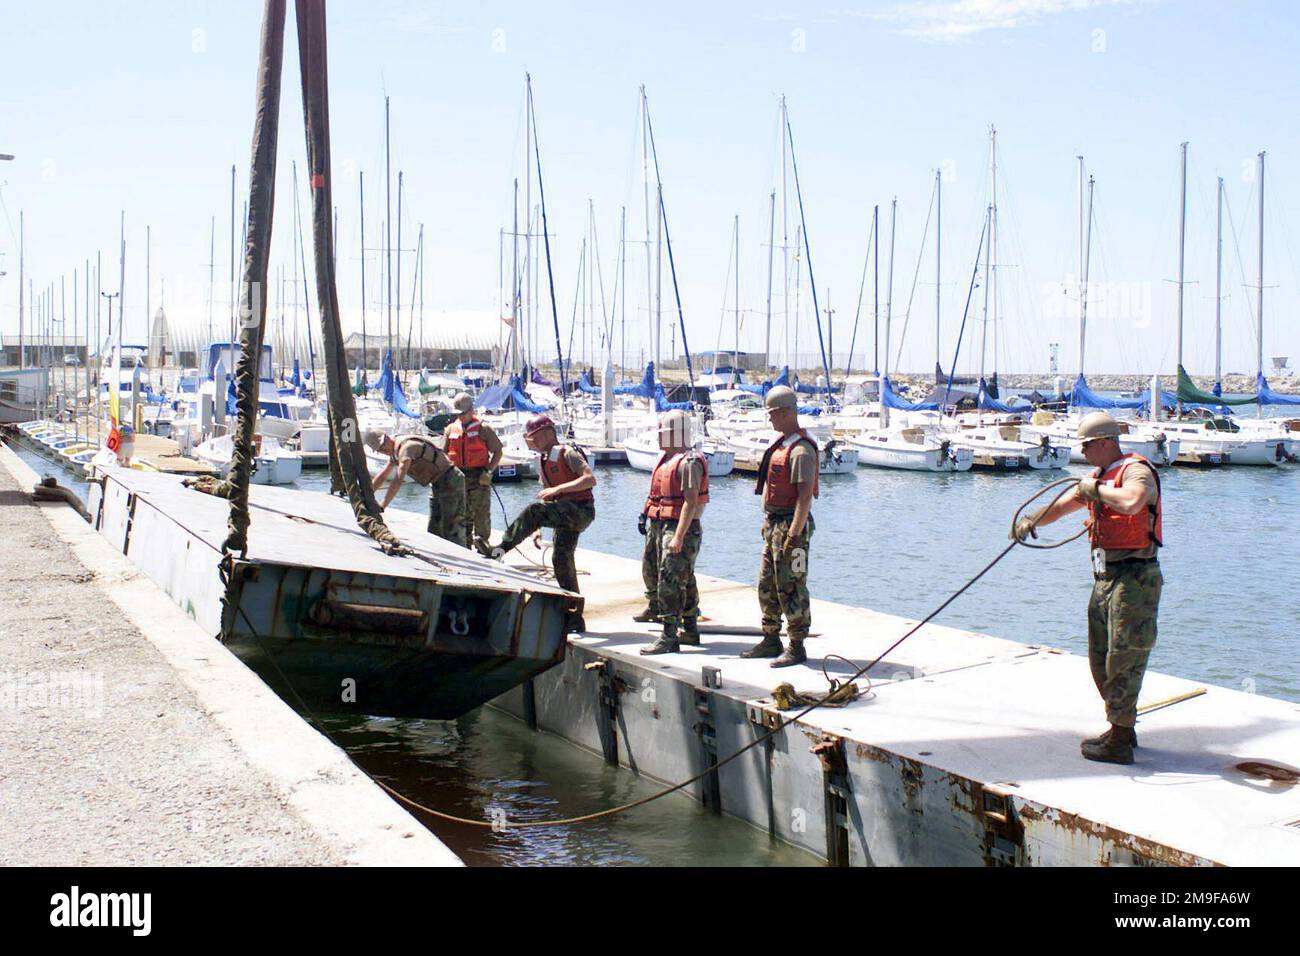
{"x":690,"y":633}
{"x":1115,"y":748}
{"x":1129,"y":732}
{"x":794,"y":654}
{"x":667,"y":643}
{"x":769,"y":646}
{"x":649,"y":616}
{"x":575,"y":624}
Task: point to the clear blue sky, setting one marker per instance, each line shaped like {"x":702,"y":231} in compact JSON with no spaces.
{"x":143,"y":107}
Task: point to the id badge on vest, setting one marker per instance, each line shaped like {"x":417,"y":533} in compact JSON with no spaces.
{"x":1098,"y":561}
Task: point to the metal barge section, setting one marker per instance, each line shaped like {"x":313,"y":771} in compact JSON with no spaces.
{"x":965,"y":750}
{"x":316,"y":602}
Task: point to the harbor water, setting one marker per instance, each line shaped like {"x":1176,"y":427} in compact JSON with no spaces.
{"x":896,"y":542}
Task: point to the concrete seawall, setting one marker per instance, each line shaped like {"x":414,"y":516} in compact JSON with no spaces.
{"x":131,"y":737}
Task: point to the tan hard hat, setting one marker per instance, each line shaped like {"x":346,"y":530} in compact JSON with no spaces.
{"x":675,"y":429}
{"x":1097,"y":425}
{"x":464,"y":402}
{"x":781,"y":397}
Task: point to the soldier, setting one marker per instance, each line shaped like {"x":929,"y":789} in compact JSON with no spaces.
{"x":1124,"y":527}
{"x":670,"y":520}
{"x":418,"y":458}
{"x":474,"y":448}
{"x":566,"y":504}
{"x":787,"y":480}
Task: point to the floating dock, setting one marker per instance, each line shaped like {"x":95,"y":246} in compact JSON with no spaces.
{"x":316,"y":603}
{"x":965,"y":750}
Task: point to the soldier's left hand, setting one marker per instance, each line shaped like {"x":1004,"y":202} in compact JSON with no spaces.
{"x":675,"y":545}
{"x":546,"y":494}
{"x":1088,"y":488}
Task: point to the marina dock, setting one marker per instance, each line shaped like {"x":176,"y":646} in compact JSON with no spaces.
{"x":964,"y":750}
{"x":131,"y":737}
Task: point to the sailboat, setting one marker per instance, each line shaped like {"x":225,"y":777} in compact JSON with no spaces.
{"x":1135,"y":437}
{"x":1207,"y":436}
{"x":999,"y":444}
{"x":902,"y":445}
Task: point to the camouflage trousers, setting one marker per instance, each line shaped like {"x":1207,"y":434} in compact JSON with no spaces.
{"x":1121,"y":634}
{"x":447,"y":507}
{"x":569,"y":519}
{"x":670,"y":587}
{"x":783,"y":579}
{"x":478,"y":505}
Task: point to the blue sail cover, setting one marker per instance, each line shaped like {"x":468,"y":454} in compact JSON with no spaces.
{"x":391,"y":388}
{"x":890,"y":399}
{"x":510,"y":396}
{"x":584,"y":384}
{"x":1081,"y":396}
{"x":645,"y":388}
{"x":762,"y":388}
{"x":663,"y":405}
{"x":1266,"y":396}
{"x":987,"y":404}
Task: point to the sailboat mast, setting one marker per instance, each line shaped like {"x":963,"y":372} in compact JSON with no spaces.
{"x":1079,"y":285}
{"x":735,"y":354}
{"x":525,"y":314}
{"x":875,"y":291}
{"x":397,"y":350}
{"x":659,"y":272}
{"x":938,"y":256}
{"x":1259,"y":310}
{"x":622,"y":287}
{"x":1218,"y":285}
{"x":1087,"y":270}
{"x":514,"y":279}
{"x":771,"y":236}
{"x":365,"y":345}
{"x":388,"y":235}
{"x":649,"y":271}
{"x":993,"y":241}
{"x":1182,"y":235}
{"x":785,"y":241}
{"x":889,"y":282}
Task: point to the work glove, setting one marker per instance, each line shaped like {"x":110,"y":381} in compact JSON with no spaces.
{"x":641,"y":523}
{"x":1088,"y":488}
{"x":486,"y":479}
{"x":1024,"y":529}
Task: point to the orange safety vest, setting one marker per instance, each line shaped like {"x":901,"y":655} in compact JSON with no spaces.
{"x":666,"y":495}
{"x":465,"y":445}
{"x":556,"y":471}
{"x":1112,"y":531}
{"x":779,"y":491}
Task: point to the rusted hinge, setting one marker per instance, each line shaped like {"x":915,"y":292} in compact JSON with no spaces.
{"x":1004,"y":834}
{"x":829,"y":751}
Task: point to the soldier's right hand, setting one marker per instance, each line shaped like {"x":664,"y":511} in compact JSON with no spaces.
{"x":1024,"y":529}
{"x":641,"y":523}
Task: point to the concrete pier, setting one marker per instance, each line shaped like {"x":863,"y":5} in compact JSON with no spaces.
{"x":131,"y":737}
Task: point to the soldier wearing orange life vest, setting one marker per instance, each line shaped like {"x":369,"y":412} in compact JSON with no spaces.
{"x":475,"y":449}
{"x":670,"y":521}
{"x":1125,"y":529}
{"x":787,"y":480}
{"x":565,"y":504}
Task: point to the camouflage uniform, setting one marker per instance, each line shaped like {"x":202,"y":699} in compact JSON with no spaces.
{"x":670,"y":587}
{"x":1121,"y":634}
{"x":447,"y":507}
{"x":569,"y":519}
{"x":478,"y":505}
{"x":783,"y":579}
